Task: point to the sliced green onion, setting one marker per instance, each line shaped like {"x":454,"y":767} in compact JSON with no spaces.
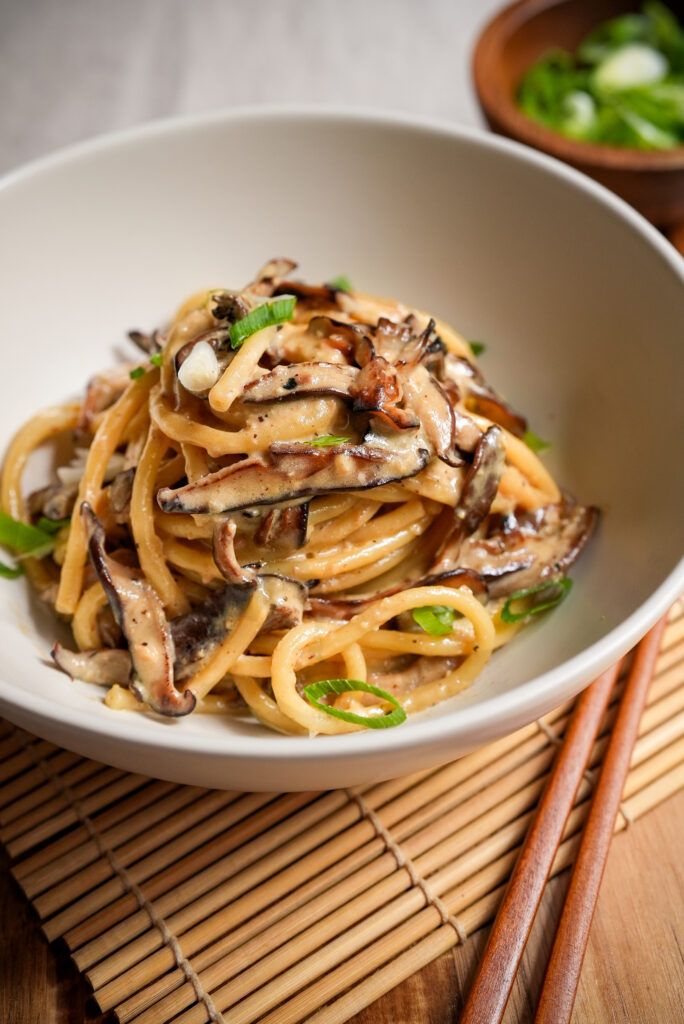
{"x":477,"y":347}
{"x":326,"y":441}
{"x":435,"y":619}
{"x":535,"y":442}
{"x":156,"y":359}
{"x":9,"y":573}
{"x":342,"y":283}
{"x":268,"y":314}
{"x":52,"y":525}
{"x":314,"y":691}
{"x":23,"y":538}
{"x":557,"y":589}
{"x":137,"y":372}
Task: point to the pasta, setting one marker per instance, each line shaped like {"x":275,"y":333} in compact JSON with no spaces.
{"x":305,"y":505}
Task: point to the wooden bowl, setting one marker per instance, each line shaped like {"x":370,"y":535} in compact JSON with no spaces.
{"x":652,"y":181}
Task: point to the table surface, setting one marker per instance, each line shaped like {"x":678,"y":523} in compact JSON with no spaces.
{"x":77,"y":68}
{"x":633,"y":972}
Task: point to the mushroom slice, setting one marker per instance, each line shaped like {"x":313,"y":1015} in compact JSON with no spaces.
{"x":309,"y":294}
{"x":344,"y":337}
{"x":105,"y":666}
{"x":269,"y":275}
{"x":293,"y":470}
{"x":217,"y":338}
{"x":140,"y":615}
{"x":478,"y":393}
{"x":301,"y":379}
{"x":345,"y":607}
{"x":425,"y":397}
{"x":120,"y":491}
{"x":391,"y":338}
{"x":479,"y":490}
{"x":536,"y":547}
{"x":54,"y":502}
{"x":287,"y":598}
{"x":229,"y":306}
{"x":147,"y":343}
{"x":199,"y":632}
{"x":377,"y":389}
{"x":284,"y":529}
{"x":226,"y":559}
{"x":102,"y":391}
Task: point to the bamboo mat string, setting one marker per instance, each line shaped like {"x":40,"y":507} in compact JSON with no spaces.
{"x":131,"y":887}
{"x":417,"y":880}
{"x":589,"y":773}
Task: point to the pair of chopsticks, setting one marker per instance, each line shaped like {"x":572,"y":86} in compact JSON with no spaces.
{"x":495,"y":975}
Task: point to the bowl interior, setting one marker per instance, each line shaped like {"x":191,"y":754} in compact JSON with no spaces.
{"x":579,"y":303}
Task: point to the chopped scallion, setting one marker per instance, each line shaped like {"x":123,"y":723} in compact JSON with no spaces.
{"x":535,"y":442}
{"x":22,"y":537}
{"x":327,"y":441}
{"x":137,"y":372}
{"x":341,"y":283}
{"x":156,"y":359}
{"x":267,"y":315}
{"x":557,"y":591}
{"x":477,"y":347}
{"x":314,"y":691}
{"x":52,"y":525}
{"x":435,"y":619}
{"x":8,"y":572}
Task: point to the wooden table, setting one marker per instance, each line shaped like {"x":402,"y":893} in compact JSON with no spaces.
{"x":633,"y":974}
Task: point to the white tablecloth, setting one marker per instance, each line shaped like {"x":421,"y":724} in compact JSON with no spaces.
{"x":70,"y":69}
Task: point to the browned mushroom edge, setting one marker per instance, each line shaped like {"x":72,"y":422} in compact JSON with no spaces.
{"x":287,"y":597}
{"x":290,"y":471}
{"x":292,"y":381}
{"x":139,"y":613}
{"x":270,"y":275}
{"x":425,"y":397}
{"x":283,"y":529}
{"x":533,"y":547}
{"x":478,"y":492}
{"x":477,"y":393}
{"x":54,"y":502}
{"x":106,"y":666}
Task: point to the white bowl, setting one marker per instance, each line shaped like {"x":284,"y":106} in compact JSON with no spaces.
{"x":581,"y":304}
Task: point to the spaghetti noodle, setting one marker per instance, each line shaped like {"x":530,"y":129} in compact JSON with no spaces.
{"x":306,"y":505}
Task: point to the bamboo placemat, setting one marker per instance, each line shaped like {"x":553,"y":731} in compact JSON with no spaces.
{"x":198,"y":906}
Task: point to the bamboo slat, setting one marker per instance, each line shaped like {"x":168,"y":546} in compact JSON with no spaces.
{"x":184,"y":904}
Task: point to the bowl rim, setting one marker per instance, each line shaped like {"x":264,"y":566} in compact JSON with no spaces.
{"x":516,"y":704}
{"x":499,"y":105}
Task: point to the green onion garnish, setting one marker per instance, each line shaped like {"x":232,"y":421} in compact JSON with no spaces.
{"x":52,"y":525}
{"x":535,"y":442}
{"x":477,"y":347}
{"x":9,"y":573}
{"x":314,"y":691}
{"x":156,"y":359}
{"x":22,"y":537}
{"x":435,"y":619}
{"x":558,"y":590}
{"x":267,"y":315}
{"x":326,"y":441}
{"x":28,"y":541}
{"x":137,"y":372}
{"x":341,"y":283}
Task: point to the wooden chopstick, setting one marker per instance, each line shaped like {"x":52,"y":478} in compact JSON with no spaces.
{"x":495,"y":975}
{"x":565,"y":964}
